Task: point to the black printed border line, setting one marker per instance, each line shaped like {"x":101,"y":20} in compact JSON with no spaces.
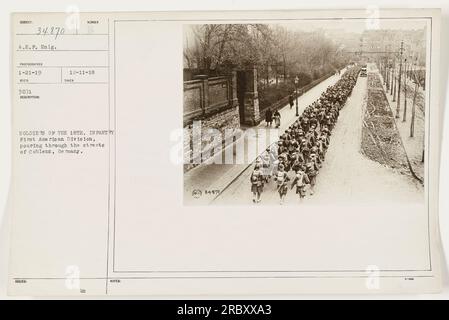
{"x":114,"y":270}
{"x":114,"y":213}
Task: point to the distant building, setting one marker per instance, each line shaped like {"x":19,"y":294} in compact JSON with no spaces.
{"x":390,"y":41}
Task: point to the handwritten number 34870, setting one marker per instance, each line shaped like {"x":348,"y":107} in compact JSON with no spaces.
{"x":50,"y":31}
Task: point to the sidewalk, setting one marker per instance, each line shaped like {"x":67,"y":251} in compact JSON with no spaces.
{"x":208,"y":180}
{"x":413,"y":145}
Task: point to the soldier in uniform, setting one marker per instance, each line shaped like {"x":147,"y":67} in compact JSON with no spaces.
{"x":256,"y":183}
{"x":303,"y":145}
{"x":301,"y":180}
{"x":311,"y":171}
{"x":281,"y":181}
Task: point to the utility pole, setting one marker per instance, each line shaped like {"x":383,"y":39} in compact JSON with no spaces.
{"x":398,"y":105}
{"x":296,"y":93}
{"x":361,"y":49}
{"x":410,"y":67}
{"x":404,"y":118}
{"x":387,"y":76}
{"x":412,"y":122}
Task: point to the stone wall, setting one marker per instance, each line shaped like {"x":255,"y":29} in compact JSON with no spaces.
{"x":205,"y":96}
{"x":225,"y":121}
{"x":209,"y":103}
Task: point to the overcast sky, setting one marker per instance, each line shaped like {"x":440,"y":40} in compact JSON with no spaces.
{"x":345,"y":25}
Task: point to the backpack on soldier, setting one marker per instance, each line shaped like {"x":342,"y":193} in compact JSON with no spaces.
{"x":280,"y":178}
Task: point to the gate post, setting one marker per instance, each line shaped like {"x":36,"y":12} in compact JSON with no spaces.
{"x":251,"y":101}
{"x":205,"y":91}
{"x":233,"y":95}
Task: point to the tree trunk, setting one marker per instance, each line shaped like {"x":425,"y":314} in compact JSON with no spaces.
{"x":268,"y":74}
{"x":412,"y":122}
{"x":222,"y":45}
{"x":285,"y":67}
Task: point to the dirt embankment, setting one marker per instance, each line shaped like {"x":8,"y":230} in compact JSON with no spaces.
{"x":380,"y":138}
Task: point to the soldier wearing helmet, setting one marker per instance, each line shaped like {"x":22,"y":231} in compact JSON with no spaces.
{"x":301,"y":180}
{"x":256,"y":183}
{"x":281,"y":181}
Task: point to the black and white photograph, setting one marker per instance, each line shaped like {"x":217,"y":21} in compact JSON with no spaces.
{"x":305,"y":111}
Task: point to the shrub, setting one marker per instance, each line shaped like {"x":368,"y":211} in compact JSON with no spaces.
{"x":272,"y":93}
{"x":304,"y":79}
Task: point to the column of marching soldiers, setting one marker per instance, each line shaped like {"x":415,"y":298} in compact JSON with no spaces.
{"x":302,"y":147}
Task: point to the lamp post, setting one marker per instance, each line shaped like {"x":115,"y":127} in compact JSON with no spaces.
{"x":296,"y":89}
{"x":394,"y":81}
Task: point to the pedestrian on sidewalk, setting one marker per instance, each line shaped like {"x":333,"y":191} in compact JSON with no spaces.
{"x":290,"y":100}
{"x":269,"y":117}
{"x":277,"y":119}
